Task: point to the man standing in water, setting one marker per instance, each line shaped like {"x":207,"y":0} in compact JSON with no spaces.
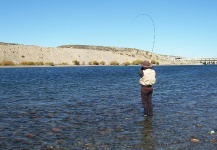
{"x":148,"y":78}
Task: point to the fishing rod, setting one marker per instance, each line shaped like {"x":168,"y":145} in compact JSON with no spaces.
{"x":153,"y":27}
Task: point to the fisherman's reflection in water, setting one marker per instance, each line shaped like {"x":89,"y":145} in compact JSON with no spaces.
{"x":147,"y":139}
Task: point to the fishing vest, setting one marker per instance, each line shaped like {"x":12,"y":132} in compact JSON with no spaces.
{"x":149,"y":77}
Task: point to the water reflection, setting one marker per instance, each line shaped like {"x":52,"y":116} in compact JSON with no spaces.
{"x":147,"y":139}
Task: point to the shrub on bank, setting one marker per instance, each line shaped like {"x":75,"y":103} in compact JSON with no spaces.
{"x":114,"y":63}
{"x":127,"y":63}
{"x":137,"y":62}
{"x":75,"y":62}
{"x":102,"y":63}
{"x":6,"y":63}
{"x":95,"y":63}
{"x":155,"y":62}
{"x":27,"y":63}
{"x":63,"y":63}
{"x":49,"y":63}
{"x":39,"y":63}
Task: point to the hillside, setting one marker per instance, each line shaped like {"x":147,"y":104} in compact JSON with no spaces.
{"x":84,"y":54}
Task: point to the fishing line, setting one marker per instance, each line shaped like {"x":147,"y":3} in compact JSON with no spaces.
{"x":153,"y":27}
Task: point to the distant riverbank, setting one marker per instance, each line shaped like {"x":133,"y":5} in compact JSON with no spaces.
{"x":17,"y":54}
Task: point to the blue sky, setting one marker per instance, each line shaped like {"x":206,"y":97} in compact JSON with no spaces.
{"x":182,"y":27}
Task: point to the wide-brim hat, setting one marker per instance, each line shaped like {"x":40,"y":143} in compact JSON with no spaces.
{"x":146,"y":64}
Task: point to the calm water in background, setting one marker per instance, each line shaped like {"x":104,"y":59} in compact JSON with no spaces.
{"x":100,"y":108}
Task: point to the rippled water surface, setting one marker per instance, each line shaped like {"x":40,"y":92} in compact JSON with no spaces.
{"x":100,"y":108}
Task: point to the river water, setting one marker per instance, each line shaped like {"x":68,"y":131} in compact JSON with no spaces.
{"x":100,"y":108}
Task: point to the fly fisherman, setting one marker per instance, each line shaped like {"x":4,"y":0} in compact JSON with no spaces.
{"x":148,"y":78}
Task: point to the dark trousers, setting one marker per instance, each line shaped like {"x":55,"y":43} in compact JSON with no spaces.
{"x":146,"y":95}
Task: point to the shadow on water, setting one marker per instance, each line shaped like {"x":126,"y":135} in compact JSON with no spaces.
{"x":147,"y":138}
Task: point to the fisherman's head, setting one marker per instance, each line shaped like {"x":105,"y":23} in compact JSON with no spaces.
{"x":146,"y":64}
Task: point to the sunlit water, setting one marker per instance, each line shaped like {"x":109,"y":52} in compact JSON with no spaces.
{"x":100,"y":108}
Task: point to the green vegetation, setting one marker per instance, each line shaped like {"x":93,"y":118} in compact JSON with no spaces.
{"x":102,"y":48}
{"x":95,"y":63}
{"x":27,"y":63}
{"x":155,"y":62}
{"x":127,"y":63}
{"x":114,"y":63}
{"x":102,"y":63}
{"x":49,"y":63}
{"x":6,"y":63}
{"x":75,"y":62}
{"x":64,"y":63}
{"x":137,"y":62}
{"x":2,"y":43}
{"x":39,"y":63}
{"x":31,"y":63}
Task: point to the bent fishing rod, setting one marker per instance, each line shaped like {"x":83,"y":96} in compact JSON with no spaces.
{"x":153,"y":29}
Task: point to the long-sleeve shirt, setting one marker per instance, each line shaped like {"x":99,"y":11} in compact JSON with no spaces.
{"x":148,"y":76}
